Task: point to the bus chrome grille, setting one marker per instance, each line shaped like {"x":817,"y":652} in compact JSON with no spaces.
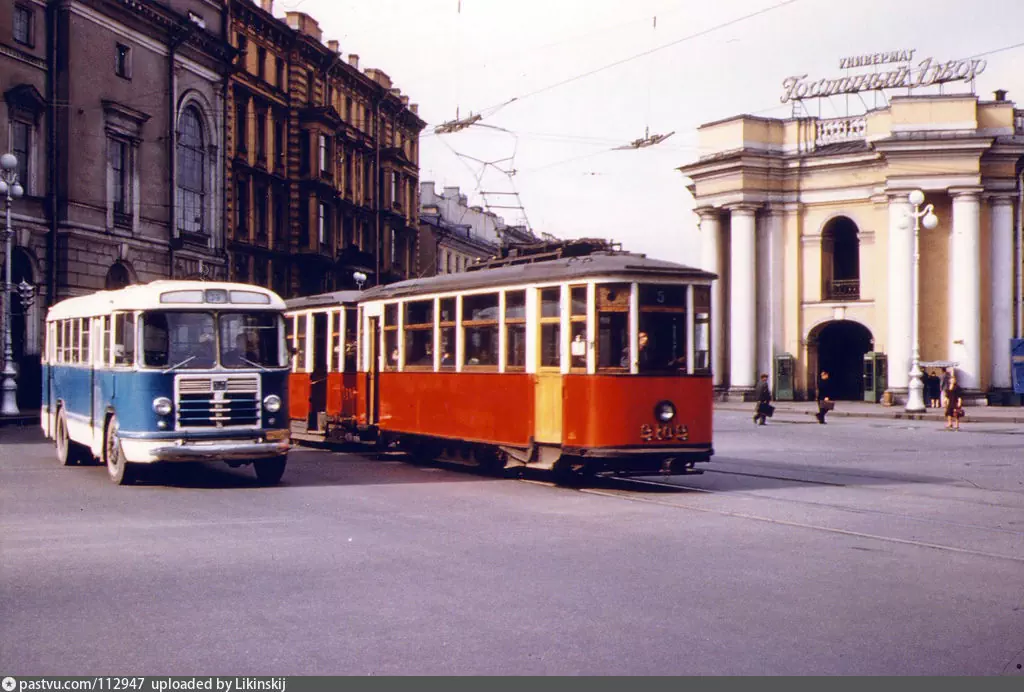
{"x":218,"y":401}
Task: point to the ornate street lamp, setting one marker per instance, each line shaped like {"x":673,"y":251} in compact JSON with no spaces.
{"x":915,"y":393}
{"x":360,"y":279}
{"x":10,"y":189}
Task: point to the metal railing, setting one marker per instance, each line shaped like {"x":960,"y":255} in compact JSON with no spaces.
{"x":840,"y":130}
{"x":845,"y":289}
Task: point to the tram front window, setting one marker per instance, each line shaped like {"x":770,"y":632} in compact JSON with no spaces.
{"x":184,"y":340}
{"x":249,"y":340}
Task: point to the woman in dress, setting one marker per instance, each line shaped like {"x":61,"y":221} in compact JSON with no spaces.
{"x":953,"y":396}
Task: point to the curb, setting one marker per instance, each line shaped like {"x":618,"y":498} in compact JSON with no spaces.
{"x":896,"y":415}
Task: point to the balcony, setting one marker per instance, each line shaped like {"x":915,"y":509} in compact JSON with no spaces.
{"x":839,"y":130}
{"x":842,"y":290}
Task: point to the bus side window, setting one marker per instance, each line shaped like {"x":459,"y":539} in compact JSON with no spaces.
{"x":124,"y":339}
{"x":105,"y":327}
{"x":87,"y":340}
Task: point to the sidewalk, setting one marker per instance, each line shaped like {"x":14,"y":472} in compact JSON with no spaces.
{"x":25,"y":418}
{"x":863,"y":409}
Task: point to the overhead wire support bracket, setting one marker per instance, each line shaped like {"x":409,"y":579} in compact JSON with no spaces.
{"x":457,"y":124}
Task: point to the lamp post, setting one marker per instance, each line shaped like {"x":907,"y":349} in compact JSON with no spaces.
{"x":360,"y":279}
{"x":915,"y":392}
{"x":10,"y":189}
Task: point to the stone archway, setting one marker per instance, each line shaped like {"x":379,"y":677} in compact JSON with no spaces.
{"x":839,"y":348}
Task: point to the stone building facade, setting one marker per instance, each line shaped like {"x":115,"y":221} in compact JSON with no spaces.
{"x":807,"y":223}
{"x":323,"y":160}
{"x":115,"y":108}
{"x":454,"y":235}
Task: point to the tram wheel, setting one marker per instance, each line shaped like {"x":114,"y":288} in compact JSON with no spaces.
{"x":269,"y":471}
{"x":570,"y":472}
{"x":121,"y":471}
{"x":69,"y":452}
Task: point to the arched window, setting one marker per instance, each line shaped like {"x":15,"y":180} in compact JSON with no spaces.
{"x":840,"y":260}
{"x":117,"y":277}
{"x":191,"y":170}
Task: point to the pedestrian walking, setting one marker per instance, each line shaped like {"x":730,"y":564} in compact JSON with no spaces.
{"x":763,"y":396}
{"x":954,"y":398}
{"x":933,"y":386}
{"x":825,"y":403}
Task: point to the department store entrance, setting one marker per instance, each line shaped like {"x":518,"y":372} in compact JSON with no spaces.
{"x":839,"y":348}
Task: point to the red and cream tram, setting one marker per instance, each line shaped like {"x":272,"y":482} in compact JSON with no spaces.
{"x":586,"y":364}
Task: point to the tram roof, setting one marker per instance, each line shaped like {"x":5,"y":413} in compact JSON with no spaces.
{"x":625,"y":265}
{"x":147,"y":297}
{"x":322,"y":299}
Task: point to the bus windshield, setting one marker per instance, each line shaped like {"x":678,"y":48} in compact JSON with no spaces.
{"x":188,"y":340}
{"x":179,"y":339}
{"x":251,"y":339}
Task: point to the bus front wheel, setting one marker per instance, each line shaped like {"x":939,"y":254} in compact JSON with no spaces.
{"x":269,"y":471}
{"x":121,"y":471}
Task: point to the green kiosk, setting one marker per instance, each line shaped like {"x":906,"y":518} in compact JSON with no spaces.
{"x":876,"y":376}
{"x":784,"y":369}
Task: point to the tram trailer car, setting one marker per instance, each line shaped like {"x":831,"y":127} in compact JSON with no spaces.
{"x":170,"y":371}
{"x":582,"y":365}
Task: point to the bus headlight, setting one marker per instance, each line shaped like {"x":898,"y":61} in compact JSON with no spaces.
{"x":162,"y":406}
{"x":272,"y":402}
{"x":665,"y":411}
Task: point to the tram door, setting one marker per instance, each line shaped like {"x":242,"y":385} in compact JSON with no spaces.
{"x":318,"y":378}
{"x":547,"y":426}
{"x":373,"y":373}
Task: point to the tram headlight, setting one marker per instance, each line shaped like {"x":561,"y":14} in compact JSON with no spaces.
{"x":272,"y":402}
{"x":665,"y":411}
{"x":162,"y":406}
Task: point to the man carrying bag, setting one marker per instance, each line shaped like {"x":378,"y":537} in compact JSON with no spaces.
{"x":763,"y":396}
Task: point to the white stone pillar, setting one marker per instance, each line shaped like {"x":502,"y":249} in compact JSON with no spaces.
{"x":1001,"y":278}
{"x":743,"y":299}
{"x":899,"y":344}
{"x":965,"y":287}
{"x":711,"y":260}
{"x":775,"y":285}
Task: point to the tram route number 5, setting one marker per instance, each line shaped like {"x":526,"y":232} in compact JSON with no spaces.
{"x":663,"y":433}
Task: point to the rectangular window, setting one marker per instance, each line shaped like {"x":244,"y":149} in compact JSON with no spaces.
{"x":551,"y":327}
{"x":123,"y":61}
{"x":351,"y":339}
{"x":23,"y":29}
{"x":280,"y":209}
{"x":391,"y":336}
{"x":324,"y":147}
{"x":261,"y":62}
{"x":279,"y":71}
{"x":120,"y":164}
{"x":446,"y":318}
{"x":348,"y":110}
{"x":261,"y":136}
{"x":613,"y":327}
{"x":124,"y":339}
{"x":702,"y":329}
{"x":419,"y":334}
{"x":578,"y":328}
{"x":321,"y":224}
{"x":241,"y":125}
{"x":515,"y":330}
{"x":309,"y":87}
{"x":279,"y":151}
{"x":242,"y":209}
{"x":21,"y":147}
{"x":243,"y":49}
{"x":480,"y":329}
{"x":261,"y":213}
{"x":662,"y":338}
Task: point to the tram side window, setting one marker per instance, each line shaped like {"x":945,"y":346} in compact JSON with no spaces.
{"x":419,"y":334}
{"x":124,"y":339}
{"x":551,"y":327}
{"x":515,"y":330}
{"x":446,"y":318}
{"x":300,"y":343}
{"x":480,"y":325}
{"x":662,"y":327}
{"x":391,"y":336}
{"x":336,"y":345}
{"x":578,"y":327}
{"x":613,"y":327}
{"x":351,"y":339}
{"x":702,"y":328}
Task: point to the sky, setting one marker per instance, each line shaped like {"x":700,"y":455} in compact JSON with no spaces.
{"x":560,"y":83}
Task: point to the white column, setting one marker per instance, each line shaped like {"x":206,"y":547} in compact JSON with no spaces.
{"x":711,"y":260}
{"x":965,"y":287}
{"x":1001,"y":279}
{"x":901,"y":300}
{"x":775,"y":285}
{"x":743,"y":302}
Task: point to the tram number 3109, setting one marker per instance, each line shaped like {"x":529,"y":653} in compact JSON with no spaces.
{"x":661,"y":433}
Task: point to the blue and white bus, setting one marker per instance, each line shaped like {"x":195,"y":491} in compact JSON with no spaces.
{"x":168,"y":371}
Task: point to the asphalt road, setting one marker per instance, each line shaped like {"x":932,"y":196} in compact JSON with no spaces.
{"x":861,"y":547}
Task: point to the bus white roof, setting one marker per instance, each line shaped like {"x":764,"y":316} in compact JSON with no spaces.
{"x":147,"y":297}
